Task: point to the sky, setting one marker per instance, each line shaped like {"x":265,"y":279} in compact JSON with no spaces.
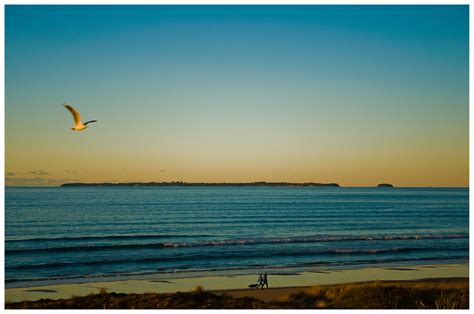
{"x":356,"y":95}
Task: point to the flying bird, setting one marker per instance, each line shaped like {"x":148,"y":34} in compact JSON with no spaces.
{"x":77,"y":119}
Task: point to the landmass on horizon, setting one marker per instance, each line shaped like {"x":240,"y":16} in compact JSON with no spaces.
{"x":182,"y":183}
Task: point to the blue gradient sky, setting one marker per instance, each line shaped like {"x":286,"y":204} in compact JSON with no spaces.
{"x":349,"y":94}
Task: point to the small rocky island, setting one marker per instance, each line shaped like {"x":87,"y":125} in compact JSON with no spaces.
{"x":385,"y":185}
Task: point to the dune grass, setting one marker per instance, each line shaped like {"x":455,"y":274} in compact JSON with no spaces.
{"x":371,"y":295}
{"x":384,"y":295}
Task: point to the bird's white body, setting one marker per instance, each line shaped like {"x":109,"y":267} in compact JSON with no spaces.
{"x":77,"y":119}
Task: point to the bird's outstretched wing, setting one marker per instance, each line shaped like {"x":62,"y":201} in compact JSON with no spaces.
{"x":85,"y":123}
{"x":75,"y":114}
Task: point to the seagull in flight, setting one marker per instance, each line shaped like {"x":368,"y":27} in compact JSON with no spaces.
{"x":77,"y":119}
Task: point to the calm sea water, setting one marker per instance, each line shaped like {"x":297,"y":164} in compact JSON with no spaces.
{"x":78,"y":232}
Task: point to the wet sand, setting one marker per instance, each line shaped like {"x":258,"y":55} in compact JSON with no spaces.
{"x":282,"y":284}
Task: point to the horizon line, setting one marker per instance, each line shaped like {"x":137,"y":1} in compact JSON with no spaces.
{"x":254,"y":183}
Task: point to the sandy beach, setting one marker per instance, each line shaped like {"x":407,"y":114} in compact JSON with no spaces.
{"x":237,"y":285}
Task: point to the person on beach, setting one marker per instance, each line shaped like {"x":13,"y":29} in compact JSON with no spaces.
{"x":265,"y":280}
{"x":260,"y":281}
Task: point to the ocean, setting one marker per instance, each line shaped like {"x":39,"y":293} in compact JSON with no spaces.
{"x":77,"y":233}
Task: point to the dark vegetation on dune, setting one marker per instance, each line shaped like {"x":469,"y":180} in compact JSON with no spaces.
{"x":373,"y":295}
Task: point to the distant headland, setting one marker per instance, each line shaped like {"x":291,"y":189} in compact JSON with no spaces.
{"x":181,"y":183}
{"x":385,"y":185}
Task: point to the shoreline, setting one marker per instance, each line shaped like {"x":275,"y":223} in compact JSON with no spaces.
{"x":222,"y":272}
{"x":239,"y":282}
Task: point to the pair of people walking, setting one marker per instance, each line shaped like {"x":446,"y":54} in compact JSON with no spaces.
{"x":262,"y":281}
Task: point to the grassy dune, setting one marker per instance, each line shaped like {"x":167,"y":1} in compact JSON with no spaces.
{"x":384,"y":295}
{"x":433,"y":294}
